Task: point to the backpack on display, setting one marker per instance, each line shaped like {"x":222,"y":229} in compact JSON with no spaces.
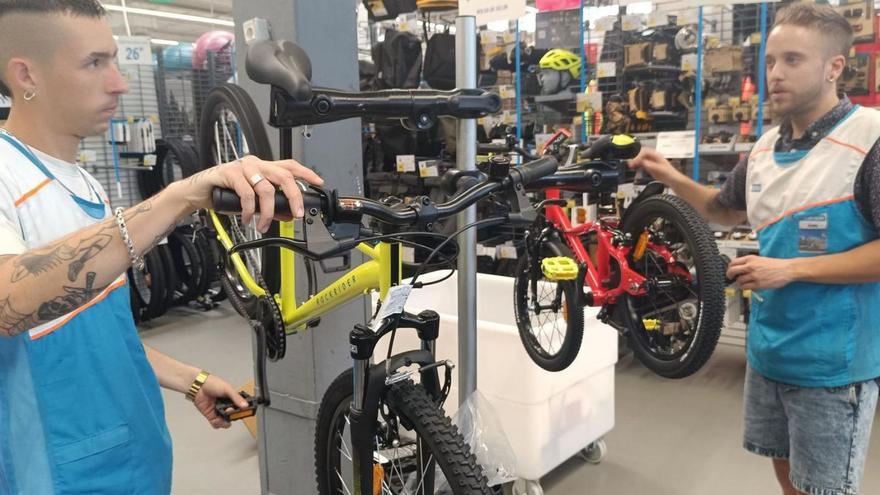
{"x":439,"y":70}
{"x":398,"y":60}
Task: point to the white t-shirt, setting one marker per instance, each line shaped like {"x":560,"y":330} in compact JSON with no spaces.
{"x":34,"y":210}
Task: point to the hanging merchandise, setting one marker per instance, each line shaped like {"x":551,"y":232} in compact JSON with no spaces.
{"x":436,"y":5}
{"x":386,"y":10}
{"x":686,"y":39}
{"x":212,"y":41}
{"x":559,"y":68}
{"x":398,"y":60}
{"x":439,"y":67}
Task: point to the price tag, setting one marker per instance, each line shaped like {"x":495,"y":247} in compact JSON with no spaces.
{"x":506,"y":252}
{"x":150,"y":160}
{"x":507,"y":117}
{"x":428,"y":168}
{"x":589,"y":101}
{"x":606,"y":69}
{"x":631,"y":22}
{"x":406,"y":163}
{"x":689,"y":62}
{"x":408,"y":23}
{"x":606,"y":23}
{"x":676,"y":144}
{"x":657,"y":18}
{"x":489,"y":251}
{"x":408,"y":254}
{"x":134,"y":50}
{"x":392,"y":304}
{"x":507,"y":91}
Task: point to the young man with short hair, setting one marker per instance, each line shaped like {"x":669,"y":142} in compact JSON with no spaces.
{"x":80,"y":407}
{"x":811,"y":189}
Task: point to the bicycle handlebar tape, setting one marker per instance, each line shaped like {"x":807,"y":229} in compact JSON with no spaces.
{"x":533,"y":171}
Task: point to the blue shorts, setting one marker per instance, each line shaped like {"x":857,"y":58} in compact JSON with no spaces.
{"x":824,"y":432}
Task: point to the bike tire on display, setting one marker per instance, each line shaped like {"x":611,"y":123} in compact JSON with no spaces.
{"x":424,"y":418}
{"x":171,"y":278}
{"x":554,"y":352}
{"x":650,"y":346}
{"x":149,"y":285}
{"x":229,"y":107}
{"x":189,"y":264}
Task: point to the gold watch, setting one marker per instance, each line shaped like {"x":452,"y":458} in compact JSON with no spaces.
{"x":197,"y":385}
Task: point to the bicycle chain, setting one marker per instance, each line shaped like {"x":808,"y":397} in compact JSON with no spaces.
{"x":276,"y":340}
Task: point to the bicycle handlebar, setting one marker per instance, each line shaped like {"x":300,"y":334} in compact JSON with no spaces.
{"x":419,"y":107}
{"x":335,"y":207}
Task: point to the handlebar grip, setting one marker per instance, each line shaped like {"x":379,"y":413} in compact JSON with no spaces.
{"x":473,"y":106}
{"x":533,"y":171}
{"x":228,"y":202}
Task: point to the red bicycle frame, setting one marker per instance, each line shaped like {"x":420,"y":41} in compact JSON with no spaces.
{"x":609,"y":245}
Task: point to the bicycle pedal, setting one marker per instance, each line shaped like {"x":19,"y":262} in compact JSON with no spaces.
{"x":224,"y":404}
{"x":651,"y":324}
{"x":559,"y":268}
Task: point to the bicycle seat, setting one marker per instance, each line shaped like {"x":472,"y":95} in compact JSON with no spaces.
{"x":282,"y":64}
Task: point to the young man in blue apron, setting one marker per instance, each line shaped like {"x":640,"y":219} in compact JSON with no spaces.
{"x":80,"y":408}
{"x":811,"y":189}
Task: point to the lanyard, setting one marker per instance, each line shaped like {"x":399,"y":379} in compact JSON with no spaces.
{"x":95,"y":210}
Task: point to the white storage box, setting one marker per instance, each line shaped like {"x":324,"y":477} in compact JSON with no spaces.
{"x":547,"y":417}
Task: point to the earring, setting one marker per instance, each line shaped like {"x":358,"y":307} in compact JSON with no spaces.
{"x":30,"y":95}
{"x":831,"y":79}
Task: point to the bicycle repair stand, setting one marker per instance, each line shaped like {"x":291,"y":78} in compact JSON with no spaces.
{"x":314,"y":358}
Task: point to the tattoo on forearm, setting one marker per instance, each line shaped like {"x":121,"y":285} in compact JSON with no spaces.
{"x":44,"y":260}
{"x":14,"y":322}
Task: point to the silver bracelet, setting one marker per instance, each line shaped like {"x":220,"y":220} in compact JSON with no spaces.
{"x":136,"y":261}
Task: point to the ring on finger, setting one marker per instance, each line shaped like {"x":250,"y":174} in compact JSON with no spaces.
{"x":256,"y":179}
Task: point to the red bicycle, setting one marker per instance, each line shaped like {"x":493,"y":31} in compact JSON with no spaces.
{"x":653,"y":268}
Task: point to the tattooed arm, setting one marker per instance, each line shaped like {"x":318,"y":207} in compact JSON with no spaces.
{"x":43,"y":284}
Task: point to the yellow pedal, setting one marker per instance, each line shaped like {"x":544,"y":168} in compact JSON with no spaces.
{"x":651,"y":324}
{"x":559,"y":268}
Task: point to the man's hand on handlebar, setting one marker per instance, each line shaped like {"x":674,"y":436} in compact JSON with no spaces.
{"x":253,"y":180}
{"x":655,"y":164}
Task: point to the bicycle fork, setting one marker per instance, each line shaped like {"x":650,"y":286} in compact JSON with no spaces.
{"x":371,"y":382}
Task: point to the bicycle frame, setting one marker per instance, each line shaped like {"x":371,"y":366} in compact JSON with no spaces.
{"x":380,"y":273}
{"x":598,"y":275}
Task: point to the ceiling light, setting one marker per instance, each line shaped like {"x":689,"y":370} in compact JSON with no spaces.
{"x":169,"y":15}
{"x":158,"y":41}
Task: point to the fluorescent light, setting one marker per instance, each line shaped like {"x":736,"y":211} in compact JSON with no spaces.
{"x":159,"y":41}
{"x":169,"y":15}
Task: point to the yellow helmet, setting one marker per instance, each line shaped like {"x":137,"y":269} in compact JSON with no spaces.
{"x":561,"y":60}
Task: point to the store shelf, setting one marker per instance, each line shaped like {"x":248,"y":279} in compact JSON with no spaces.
{"x":651,"y":68}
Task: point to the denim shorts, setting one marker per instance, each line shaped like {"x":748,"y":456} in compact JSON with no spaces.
{"x":824,"y":432}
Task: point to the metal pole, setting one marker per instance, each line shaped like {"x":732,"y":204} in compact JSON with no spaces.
{"x":583,"y":73}
{"x":698,"y":98}
{"x":518,"y":76}
{"x":762,"y":53}
{"x":466,"y":152}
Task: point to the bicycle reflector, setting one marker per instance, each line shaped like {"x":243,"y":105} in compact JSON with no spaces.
{"x":651,"y":324}
{"x":559,"y":268}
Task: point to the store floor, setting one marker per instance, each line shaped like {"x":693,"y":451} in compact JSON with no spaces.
{"x":671,"y":437}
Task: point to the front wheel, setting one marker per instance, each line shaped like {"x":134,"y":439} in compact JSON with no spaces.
{"x":673,"y":328}
{"x":418,"y":451}
{"x":549,"y":314}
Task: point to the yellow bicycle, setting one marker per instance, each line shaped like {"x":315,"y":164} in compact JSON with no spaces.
{"x":378,"y":430}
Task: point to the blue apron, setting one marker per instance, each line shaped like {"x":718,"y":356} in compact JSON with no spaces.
{"x":80,"y":407}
